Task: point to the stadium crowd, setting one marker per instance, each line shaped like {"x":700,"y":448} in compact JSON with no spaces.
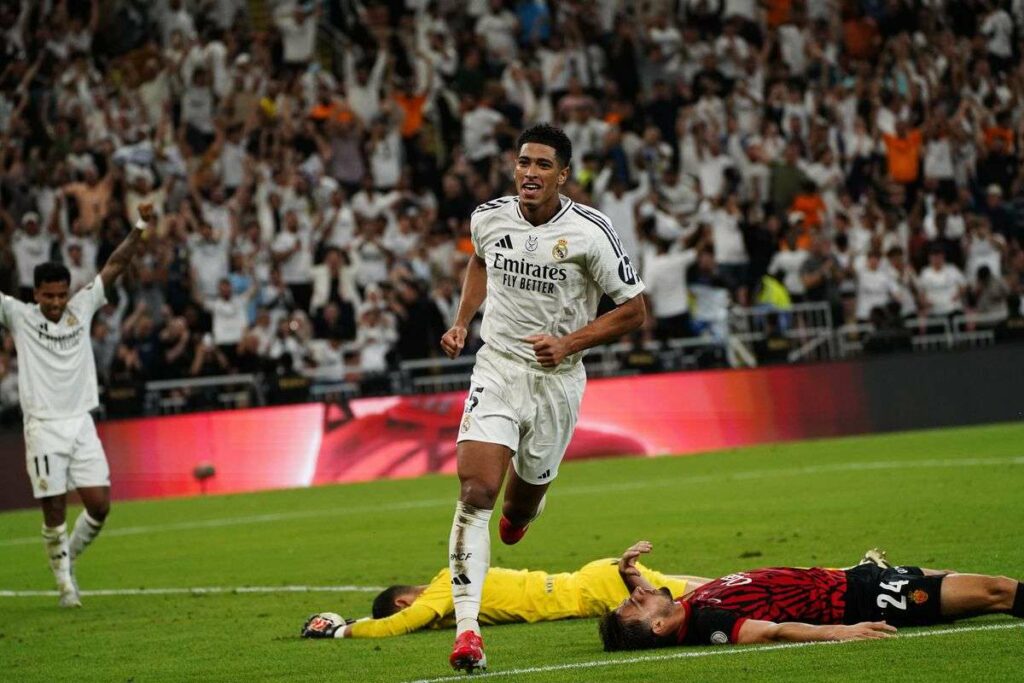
{"x":314,"y":164}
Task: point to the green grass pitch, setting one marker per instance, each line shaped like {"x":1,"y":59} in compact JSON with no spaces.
{"x":949,"y":498}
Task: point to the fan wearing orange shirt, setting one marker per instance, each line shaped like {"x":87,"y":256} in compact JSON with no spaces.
{"x":903,"y":154}
{"x":810,"y":204}
{"x":903,"y":157}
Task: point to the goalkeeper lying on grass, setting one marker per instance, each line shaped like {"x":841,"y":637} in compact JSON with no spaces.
{"x":510,"y":596}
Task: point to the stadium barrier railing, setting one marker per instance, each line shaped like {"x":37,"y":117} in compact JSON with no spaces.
{"x":808,"y":329}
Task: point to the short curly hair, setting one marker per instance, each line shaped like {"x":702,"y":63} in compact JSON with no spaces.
{"x":555,"y":138}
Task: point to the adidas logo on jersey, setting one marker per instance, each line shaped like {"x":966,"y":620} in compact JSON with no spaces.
{"x":504,"y":243}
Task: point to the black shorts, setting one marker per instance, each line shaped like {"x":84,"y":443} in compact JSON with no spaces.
{"x":901,"y":596}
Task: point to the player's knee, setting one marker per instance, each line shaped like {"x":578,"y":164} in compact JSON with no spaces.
{"x":99,"y":511}
{"x":54,"y":511}
{"x":1000,"y":591}
{"x":479,"y":493}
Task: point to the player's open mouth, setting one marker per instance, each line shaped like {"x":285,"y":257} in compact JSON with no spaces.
{"x":530,"y":189}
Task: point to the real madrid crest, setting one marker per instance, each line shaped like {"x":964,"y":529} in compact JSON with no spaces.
{"x":465,"y":424}
{"x":560,"y":250}
{"x":72,"y":320}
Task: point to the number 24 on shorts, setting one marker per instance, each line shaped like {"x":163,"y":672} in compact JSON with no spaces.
{"x":885,"y":601}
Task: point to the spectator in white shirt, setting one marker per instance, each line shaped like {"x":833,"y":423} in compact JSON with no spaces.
{"x":585,"y":132}
{"x":337,"y":222}
{"x":497,"y":28}
{"x":875,"y":286}
{"x":31,"y":247}
{"x":941,"y":285}
{"x":362,"y":85}
{"x":375,"y":338}
{"x":82,"y":271}
{"x":786,"y":265}
{"x":230,"y":316}
{"x":730,"y":250}
{"x":664,"y":273}
{"x":619,"y":203}
{"x":997,"y":28}
{"x":480,"y":126}
{"x":208,"y":257}
{"x":905,"y":278}
{"x":297,"y":24}
{"x":293,"y":253}
{"x":333,"y":280}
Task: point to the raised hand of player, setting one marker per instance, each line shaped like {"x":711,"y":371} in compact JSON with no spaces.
{"x":865,"y":630}
{"x":550,"y":351}
{"x":453,"y":340}
{"x":627,"y":563}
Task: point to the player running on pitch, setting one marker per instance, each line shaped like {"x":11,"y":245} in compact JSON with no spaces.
{"x":57,"y":389}
{"x":542,"y":261}
{"x":788,"y":604}
{"x":510,"y":596}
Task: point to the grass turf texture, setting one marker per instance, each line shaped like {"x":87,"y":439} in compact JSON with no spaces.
{"x":949,"y":498}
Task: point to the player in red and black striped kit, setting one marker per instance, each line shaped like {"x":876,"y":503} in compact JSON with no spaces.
{"x":789,"y":604}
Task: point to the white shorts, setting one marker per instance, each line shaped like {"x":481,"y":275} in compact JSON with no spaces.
{"x":64,"y":454}
{"x":531,"y":411}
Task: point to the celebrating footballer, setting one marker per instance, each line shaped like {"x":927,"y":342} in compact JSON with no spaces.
{"x":57,"y":389}
{"x":542,"y":261}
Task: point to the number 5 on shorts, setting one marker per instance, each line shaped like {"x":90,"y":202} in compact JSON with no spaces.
{"x":474,"y":399}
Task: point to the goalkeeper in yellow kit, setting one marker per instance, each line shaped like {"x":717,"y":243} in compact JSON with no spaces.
{"x":509,"y":596}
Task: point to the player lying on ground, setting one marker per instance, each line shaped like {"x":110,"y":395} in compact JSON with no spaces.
{"x":787,"y":604}
{"x":509,"y":596}
{"x":57,"y":391}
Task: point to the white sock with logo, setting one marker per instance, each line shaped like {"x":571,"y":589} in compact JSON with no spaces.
{"x":86,"y":530}
{"x":56,"y":540}
{"x":469,"y":556}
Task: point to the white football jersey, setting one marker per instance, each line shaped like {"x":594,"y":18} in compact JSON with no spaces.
{"x":56,"y":370}
{"x":547,"y":279}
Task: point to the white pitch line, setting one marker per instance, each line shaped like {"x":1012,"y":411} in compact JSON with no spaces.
{"x":747,"y":475}
{"x":600,"y":663}
{"x":251,"y":519}
{"x":200,"y":591}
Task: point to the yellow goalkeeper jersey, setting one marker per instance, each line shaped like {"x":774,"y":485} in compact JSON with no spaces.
{"x":512,"y":596}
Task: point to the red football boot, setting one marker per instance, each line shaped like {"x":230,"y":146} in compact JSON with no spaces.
{"x":511,"y":534}
{"x":468,"y":653}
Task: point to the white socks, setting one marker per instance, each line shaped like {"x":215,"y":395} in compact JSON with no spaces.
{"x":469,"y":557}
{"x":86,"y":529}
{"x":56,"y":541}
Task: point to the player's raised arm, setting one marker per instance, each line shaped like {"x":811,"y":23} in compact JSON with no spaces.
{"x":628,"y":572}
{"x":129,"y":247}
{"x":474,"y":291}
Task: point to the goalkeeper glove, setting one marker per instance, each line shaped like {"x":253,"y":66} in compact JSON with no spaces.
{"x":325,"y":625}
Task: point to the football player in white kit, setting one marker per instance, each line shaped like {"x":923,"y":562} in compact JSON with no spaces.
{"x":542,"y":262}
{"x":57,"y":389}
